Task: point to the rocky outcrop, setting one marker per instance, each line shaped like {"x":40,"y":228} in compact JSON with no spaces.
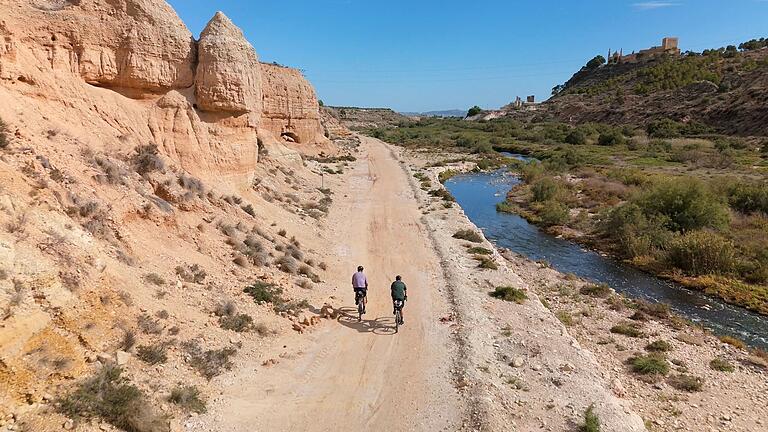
{"x":290,"y":109}
{"x":209,"y":102}
{"x":226,"y":146}
{"x":228,"y":74}
{"x":133,"y":44}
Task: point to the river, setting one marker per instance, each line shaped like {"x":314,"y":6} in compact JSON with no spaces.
{"x":478,"y":195}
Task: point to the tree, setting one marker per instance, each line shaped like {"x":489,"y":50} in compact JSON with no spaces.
{"x":557,"y":89}
{"x":475,"y":110}
{"x":596,"y":62}
{"x":576,"y":137}
{"x":320,"y":102}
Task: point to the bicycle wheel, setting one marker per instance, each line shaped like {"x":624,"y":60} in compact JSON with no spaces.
{"x":398,"y":317}
{"x":360,"y":308}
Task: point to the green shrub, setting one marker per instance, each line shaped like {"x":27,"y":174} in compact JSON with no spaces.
{"x":486,"y":262}
{"x":509,"y":294}
{"x":468,"y":235}
{"x":651,"y":364}
{"x":636,"y":234}
{"x":591,"y":420}
{"x":115,"y":400}
{"x":659,"y":346}
{"x":702,"y":252}
{"x":545,"y":189}
{"x":683,"y":205}
{"x":595,"y":62}
{"x":475,"y":110}
{"x":596,"y":290}
{"x":532,"y":171}
{"x":443,"y":194}
{"x":576,"y":137}
{"x":749,"y":197}
{"x":263,"y":292}
{"x":687,"y":383}
{"x":188,"y":398}
{"x":565,"y":317}
{"x":239,"y":323}
{"x":664,"y":128}
{"x":553,"y":213}
{"x":611,"y":138}
{"x":721,"y":364}
{"x":446,"y":175}
{"x":628,"y":329}
{"x":477,"y":250}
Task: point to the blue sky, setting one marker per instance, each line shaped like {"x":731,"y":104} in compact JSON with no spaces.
{"x":430,"y":54}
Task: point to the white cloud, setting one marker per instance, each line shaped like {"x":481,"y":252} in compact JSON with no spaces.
{"x":650,"y":5}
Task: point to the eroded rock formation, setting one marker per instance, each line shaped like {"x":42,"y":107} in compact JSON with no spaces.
{"x":291,"y":109}
{"x":228,"y":74}
{"x":210,"y":99}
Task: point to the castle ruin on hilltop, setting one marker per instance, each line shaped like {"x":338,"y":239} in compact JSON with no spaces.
{"x":669,"y":46}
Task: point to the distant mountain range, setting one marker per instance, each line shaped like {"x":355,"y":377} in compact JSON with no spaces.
{"x":444,"y":113}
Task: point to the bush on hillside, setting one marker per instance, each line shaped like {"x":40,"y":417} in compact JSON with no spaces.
{"x":468,"y":235}
{"x":114,"y":399}
{"x":576,"y":137}
{"x":595,"y":62}
{"x":664,"y":128}
{"x":510,"y":294}
{"x":611,"y":138}
{"x":5,"y":139}
{"x":146,"y":159}
{"x":475,"y":110}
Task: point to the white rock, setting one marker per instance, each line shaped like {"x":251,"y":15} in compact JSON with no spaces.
{"x":122,"y":357}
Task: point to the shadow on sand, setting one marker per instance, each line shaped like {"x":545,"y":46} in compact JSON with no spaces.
{"x":379,"y":326}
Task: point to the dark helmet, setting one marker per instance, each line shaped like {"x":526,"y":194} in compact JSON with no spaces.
{"x":359,"y":268}
{"x":398,"y":277}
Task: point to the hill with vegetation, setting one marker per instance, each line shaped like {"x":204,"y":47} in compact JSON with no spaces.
{"x":723,"y":90}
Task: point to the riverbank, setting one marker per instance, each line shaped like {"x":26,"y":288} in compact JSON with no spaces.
{"x":661,"y":404}
{"x":524,"y":368}
{"x":580,"y":224}
{"x":682,"y":204}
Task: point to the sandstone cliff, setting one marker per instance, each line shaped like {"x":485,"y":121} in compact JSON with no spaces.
{"x":208,"y":101}
{"x":291,"y":108}
{"x":123,"y":156}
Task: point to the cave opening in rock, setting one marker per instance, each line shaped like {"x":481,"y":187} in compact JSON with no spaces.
{"x":290,"y":137}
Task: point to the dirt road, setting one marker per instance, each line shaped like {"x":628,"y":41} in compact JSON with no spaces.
{"x":361,"y":375}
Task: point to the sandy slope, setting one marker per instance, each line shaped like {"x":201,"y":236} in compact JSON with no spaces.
{"x":362,"y":376}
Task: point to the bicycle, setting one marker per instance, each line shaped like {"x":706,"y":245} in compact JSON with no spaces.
{"x":398,"y":304}
{"x":360,"y":299}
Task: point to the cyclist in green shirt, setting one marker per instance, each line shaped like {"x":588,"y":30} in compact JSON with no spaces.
{"x":399,"y":294}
